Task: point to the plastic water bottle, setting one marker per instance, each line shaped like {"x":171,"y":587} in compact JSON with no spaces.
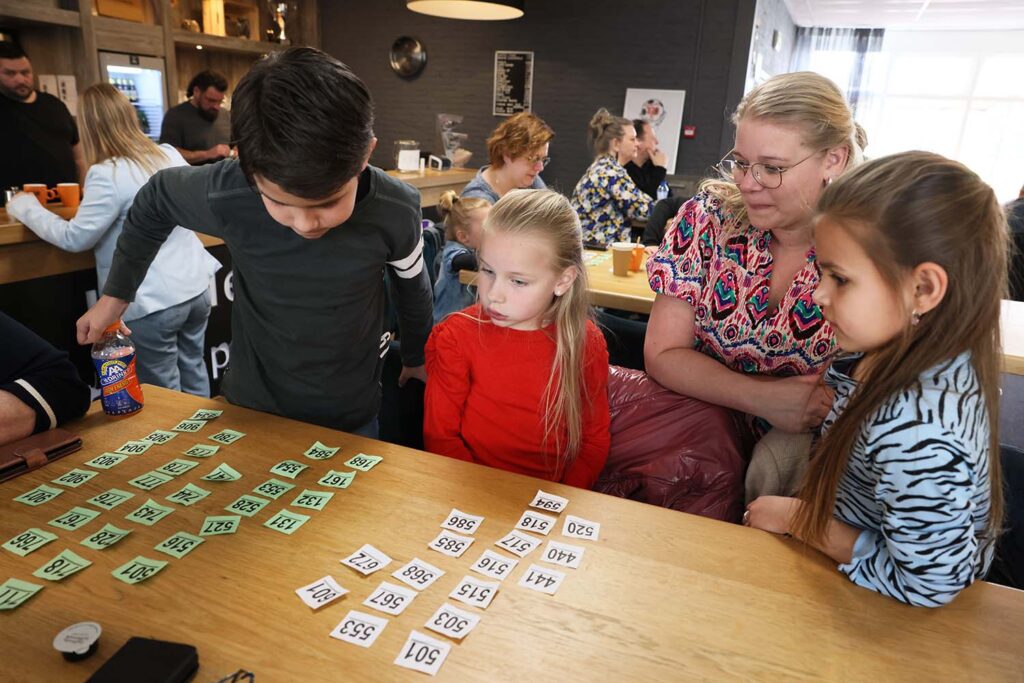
{"x":114,"y":358}
{"x":662,"y":190}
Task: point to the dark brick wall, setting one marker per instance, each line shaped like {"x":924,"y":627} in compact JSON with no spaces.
{"x":587,"y":52}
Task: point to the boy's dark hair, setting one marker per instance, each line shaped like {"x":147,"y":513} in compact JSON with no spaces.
{"x":207,"y":79}
{"x":302,"y":120}
{"x":11,"y":50}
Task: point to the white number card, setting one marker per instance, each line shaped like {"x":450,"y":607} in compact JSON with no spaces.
{"x":367,"y":560}
{"x":518,"y":544}
{"x":418,"y":574}
{"x":423,"y":653}
{"x":390,"y":598}
{"x":494,"y":565}
{"x":549,"y":502}
{"x":462,"y":522}
{"x":453,"y":622}
{"x":474,"y":592}
{"x":359,"y":628}
{"x":320,"y":592}
{"x":577,"y":527}
{"x":451,"y":544}
{"x":563,"y":554}
{"x":541,"y":579}
{"x":536,"y":522}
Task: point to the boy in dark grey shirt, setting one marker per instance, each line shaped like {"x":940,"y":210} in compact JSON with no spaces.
{"x":311,"y":228}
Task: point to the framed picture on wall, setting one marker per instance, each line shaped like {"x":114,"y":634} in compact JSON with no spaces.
{"x":663,"y":110}
{"x":513,"y":82}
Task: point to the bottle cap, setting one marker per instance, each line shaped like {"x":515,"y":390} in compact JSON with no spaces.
{"x":112,"y":327}
{"x":78,"y":641}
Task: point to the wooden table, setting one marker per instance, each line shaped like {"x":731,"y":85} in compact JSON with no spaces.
{"x":633,"y":293}
{"x":433,"y":183}
{"x":661,"y":596}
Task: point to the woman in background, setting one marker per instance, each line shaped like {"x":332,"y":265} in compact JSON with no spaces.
{"x":518,"y":151}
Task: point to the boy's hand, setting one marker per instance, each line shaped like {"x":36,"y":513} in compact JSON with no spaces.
{"x":419,"y":372}
{"x":102,"y":315}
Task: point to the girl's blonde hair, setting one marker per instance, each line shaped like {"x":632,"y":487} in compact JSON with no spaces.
{"x":547,"y":214}
{"x":110,"y":129}
{"x":603,"y":129}
{"x":455,"y":210}
{"x":807,"y":101}
{"x":905,"y":210}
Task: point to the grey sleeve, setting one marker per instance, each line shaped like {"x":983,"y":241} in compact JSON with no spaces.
{"x":172,"y":197}
{"x":410,"y":289}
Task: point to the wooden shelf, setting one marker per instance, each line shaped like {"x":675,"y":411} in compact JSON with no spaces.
{"x":225,"y":43}
{"x":28,"y":12}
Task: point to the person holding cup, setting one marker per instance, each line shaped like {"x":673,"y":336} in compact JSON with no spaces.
{"x":169,"y":315}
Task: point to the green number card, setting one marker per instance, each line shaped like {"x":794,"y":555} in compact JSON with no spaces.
{"x":105,"y":537}
{"x":363,"y":462}
{"x":177,"y":466}
{"x":135,"y":447}
{"x":29,"y":540}
{"x":337,"y":480}
{"x":286,"y":522}
{"x":139,"y":569}
{"x":215,"y":525}
{"x":247,"y":505}
{"x":206,"y":414}
{"x":223,"y":472}
{"x":149,"y":513}
{"x":189,"y":426}
{"x":179,"y":545}
{"x":312,"y":500}
{"x":39,"y":495}
{"x":201,"y":450}
{"x":14,"y":592}
{"x":288,"y":468}
{"x":150,"y":480}
{"x":74,"y":478}
{"x":61,"y":567}
{"x":74,"y":518}
{"x":188,"y":495}
{"x":159,"y":436}
{"x":108,"y":500}
{"x":274,"y":488}
{"x":226,"y":436}
{"x":319,"y":451}
{"x":105,"y":461}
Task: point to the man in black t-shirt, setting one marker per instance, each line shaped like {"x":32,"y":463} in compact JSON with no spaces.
{"x":197,"y":126}
{"x":648,"y":169}
{"x":40,"y":137}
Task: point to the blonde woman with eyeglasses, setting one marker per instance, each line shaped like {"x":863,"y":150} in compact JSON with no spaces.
{"x":733,"y":322}
{"x":169,"y":314}
{"x":518,"y":151}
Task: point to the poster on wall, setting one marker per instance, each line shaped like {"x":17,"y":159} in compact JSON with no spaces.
{"x":513,"y":82}
{"x":663,"y":110}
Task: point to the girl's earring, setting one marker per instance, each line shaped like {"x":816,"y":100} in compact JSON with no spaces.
{"x":826,"y":182}
{"x":915,"y":318}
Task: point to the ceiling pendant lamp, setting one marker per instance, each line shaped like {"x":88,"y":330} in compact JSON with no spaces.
{"x":484,"y":10}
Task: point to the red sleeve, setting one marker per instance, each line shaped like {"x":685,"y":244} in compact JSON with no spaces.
{"x":596,"y":415}
{"x":447,"y":389}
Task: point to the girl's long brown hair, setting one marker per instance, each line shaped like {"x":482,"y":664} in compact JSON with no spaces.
{"x":550,"y":215}
{"x":110,"y":129}
{"x":905,"y":210}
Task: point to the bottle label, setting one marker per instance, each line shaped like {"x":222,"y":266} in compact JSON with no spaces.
{"x":121,"y":393}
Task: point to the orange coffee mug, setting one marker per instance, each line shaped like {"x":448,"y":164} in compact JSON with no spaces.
{"x":70,"y":194}
{"x":638,"y":259}
{"x":40,"y":191}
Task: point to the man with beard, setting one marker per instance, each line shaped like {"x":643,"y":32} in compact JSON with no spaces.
{"x":40,"y":137}
{"x":197,"y":127}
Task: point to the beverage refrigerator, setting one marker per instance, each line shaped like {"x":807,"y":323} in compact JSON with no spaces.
{"x":143,"y":82}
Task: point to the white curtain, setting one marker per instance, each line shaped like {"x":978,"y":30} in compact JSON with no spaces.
{"x":851,"y":57}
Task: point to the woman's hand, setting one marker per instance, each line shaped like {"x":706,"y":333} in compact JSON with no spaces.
{"x":771,"y":513}
{"x":797,"y":404}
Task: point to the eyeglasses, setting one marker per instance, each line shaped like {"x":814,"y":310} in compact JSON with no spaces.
{"x":767,"y":176}
{"x":535,"y":159}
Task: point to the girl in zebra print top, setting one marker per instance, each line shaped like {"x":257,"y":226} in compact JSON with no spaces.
{"x":904,"y":486}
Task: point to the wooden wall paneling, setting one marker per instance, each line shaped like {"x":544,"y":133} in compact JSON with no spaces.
{"x":117,"y":35}
{"x":90,"y":55}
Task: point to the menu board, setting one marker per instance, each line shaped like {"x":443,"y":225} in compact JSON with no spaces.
{"x":513,"y":82}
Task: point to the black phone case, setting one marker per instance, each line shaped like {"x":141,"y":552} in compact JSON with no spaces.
{"x":154,"y":661}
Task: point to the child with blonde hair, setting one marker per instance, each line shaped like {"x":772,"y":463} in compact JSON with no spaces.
{"x":904,"y":489}
{"x":463,"y":225}
{"x":519,"y":380}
